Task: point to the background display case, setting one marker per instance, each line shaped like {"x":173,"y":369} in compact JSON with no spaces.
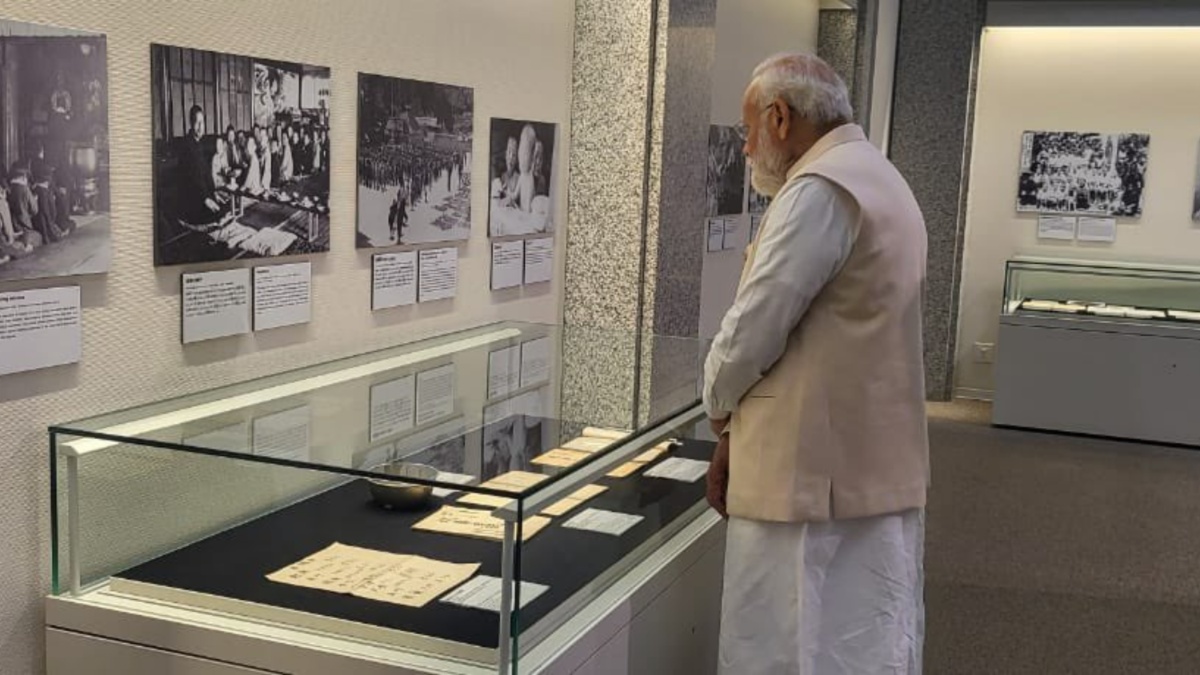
{"x":1103,"y":348}
{"x":190,"y":505}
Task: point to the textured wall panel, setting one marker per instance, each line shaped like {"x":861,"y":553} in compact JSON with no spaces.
{"x":132,"y":353}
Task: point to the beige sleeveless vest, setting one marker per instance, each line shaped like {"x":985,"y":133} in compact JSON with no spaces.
{"x":836,"y":429}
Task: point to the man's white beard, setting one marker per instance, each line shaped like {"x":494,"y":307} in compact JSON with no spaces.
{"x":768,"y":171}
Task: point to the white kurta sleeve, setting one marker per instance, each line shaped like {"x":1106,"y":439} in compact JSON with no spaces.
{"x":804,"y":243}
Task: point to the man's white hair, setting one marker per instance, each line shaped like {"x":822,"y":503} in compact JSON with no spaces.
{"x":809,"y":85}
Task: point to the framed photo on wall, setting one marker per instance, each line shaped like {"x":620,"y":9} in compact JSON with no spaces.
{"x":1072,"y":172}
{"x":415,"y":142}
{"x":241,"y":156}
{"x":54,"y":179}
{"x":521,"y":170}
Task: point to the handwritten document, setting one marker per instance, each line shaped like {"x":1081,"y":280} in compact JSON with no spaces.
{"x":588,"y":444}
{"x":407,"y":580}
{"x":573,"y":500}
{"x":626,"y":469}
{"x":561,"y":458}
{"x":513,"y":481}
{"x":476,"y":524}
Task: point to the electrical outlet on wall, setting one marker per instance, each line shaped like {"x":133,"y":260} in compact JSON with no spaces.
{"x":985,"y":352}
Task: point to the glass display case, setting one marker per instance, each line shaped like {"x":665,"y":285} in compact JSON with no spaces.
{"x":458,"y":496}
{"x":1103,"y":290}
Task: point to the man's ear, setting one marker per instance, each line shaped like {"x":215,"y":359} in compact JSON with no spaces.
{"x":781,"y":112}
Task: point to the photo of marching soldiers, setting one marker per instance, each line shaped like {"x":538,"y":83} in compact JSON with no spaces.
{"x":241,"y":156}
{"x":522,"y":167}
{"x":726,"y":171}
{"x":414,"y":161}
{"x":54,"y":158}
{"x":1084,"y":173}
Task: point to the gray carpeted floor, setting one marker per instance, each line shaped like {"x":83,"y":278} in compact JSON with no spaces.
{"x":1053,"y":555}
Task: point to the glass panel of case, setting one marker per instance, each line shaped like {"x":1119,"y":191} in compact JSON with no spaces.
{"x":484,"y":455}
{"x":1110,"y":290}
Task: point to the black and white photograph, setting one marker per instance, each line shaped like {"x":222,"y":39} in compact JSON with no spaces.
{"x":521,"y":162}
{"x":241,"y":156}
{"x":1083,"y":173}
{"x":414,"y":161}
{"x":511,"y":444}
{"x":726,"y":180}
{"x":54,"y":156}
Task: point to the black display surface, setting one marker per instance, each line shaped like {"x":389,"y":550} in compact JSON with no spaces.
{"x":234,"y":563}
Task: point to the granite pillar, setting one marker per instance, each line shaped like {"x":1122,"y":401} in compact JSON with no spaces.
{"x":639,"y":125}
{"x":936,"y":56}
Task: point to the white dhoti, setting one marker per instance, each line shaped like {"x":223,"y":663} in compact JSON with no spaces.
{"x":834,"y":598}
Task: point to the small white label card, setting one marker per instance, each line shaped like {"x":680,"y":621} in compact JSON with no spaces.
{"x":438,"y":274}
{"x":730,"y":240}
{"x":604,"y":522}
{"x":1098,"y":229}
{"x":508,"y":264}
{"x":504,"y":371}
{"x":393,"y":407}
{"x":535,"y":362}
{"x":282,"y":295}
{"x":539,"y":260}
{"x":1061,"y":228}
{"x":716,"y":234}
{"x":435,"y":394}
{"x":484,"y":592}
{"x":680,"y":469}
{"x":393,"y":280}
{"x":40,"y":328}
{"x":215,"y":305}
{"x":284,"y":435}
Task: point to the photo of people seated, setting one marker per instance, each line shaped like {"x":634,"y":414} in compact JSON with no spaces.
{"x":54,"y":168}
{"x":414,"y":161}
{"x":522,"y":160}
{"x":241,"y":157}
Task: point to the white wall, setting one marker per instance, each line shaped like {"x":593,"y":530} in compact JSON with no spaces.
{"x":1075,"y":79}
{"x":748,"y":31}
{"x":516,"y":54}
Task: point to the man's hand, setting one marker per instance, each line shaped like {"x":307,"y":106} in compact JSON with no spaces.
{"x":718,"y":425}
{"x":718,"y":477}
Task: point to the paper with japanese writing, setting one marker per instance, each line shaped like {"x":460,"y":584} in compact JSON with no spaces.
{"x":476,"y":524}
{"x":604,"y":522}
{"x":626,"y":469}
{"x":573,"y":500}
{"x":513,"y":481}
{"x":588,"y":444}
{"x":561,"y":457}
{"x":680,"y":469}
{"x":409,"y":580}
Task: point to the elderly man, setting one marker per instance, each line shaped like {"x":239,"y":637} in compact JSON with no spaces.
{"x":815,"y":385}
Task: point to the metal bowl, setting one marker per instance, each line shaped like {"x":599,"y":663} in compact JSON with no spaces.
{"x":398,"y":495}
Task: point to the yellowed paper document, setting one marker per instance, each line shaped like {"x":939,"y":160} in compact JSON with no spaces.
{"x":409,"y":580}
{"x":610,"y":434}
{"x":627,"y":469}
{"x":476,"y":524}
{"x":585,"y":444}
{"x":415,"y":581}
{"x":561,"y":458}
{"x":337,"y":568}
{"x":513,"y":481}
{"x":573,"y":500}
